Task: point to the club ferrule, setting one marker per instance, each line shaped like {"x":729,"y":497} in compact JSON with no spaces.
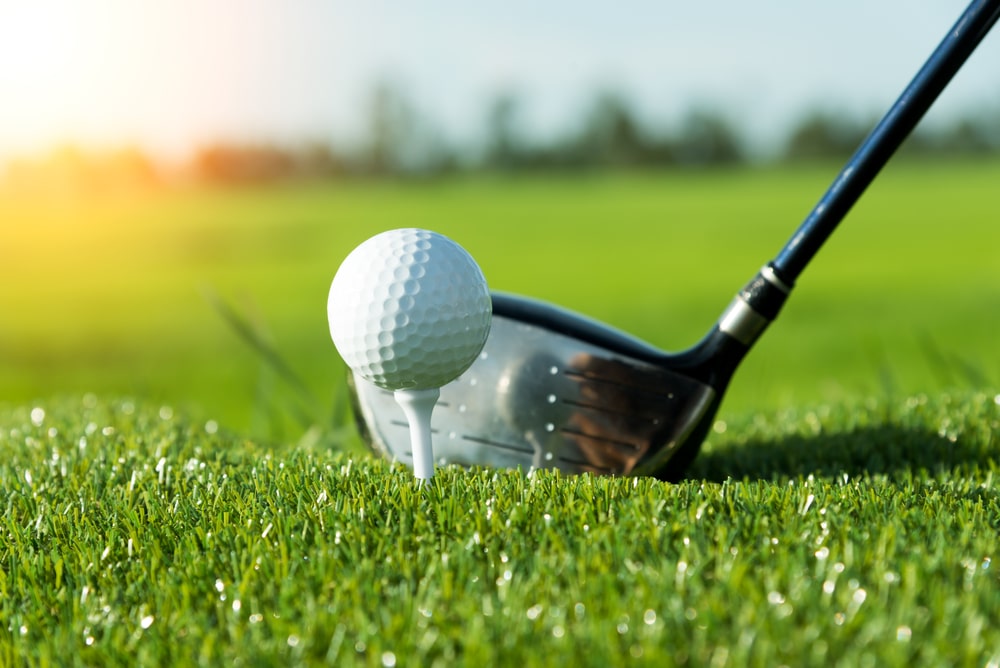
{"x":756,"y":305}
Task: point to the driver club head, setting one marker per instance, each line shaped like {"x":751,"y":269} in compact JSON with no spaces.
{"x":553,"y":389}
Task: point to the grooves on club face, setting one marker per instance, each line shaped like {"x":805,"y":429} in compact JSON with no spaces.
{"x":553,"y":389}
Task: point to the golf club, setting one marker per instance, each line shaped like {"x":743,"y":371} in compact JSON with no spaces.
{"x":554,"y":389}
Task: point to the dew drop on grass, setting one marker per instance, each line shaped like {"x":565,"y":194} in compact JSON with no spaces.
{"x":808,"y":504}
{"x":37,"y":416}
{"x":388,"y":659}
{"x":147,"y":621}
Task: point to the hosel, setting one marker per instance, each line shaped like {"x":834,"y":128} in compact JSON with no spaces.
{"x":756,"y":305}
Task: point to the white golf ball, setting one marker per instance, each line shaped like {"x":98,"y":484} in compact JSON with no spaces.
{"x":409,"y":309}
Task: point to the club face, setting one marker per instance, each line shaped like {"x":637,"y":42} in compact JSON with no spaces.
{"x":538,"y":398}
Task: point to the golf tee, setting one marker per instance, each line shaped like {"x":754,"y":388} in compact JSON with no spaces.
{"x":417,"y":406}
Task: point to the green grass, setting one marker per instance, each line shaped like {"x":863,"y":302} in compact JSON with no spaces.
{"x":225,"y":514}
{"x":111,"y":292}
{"x":854,"y":534}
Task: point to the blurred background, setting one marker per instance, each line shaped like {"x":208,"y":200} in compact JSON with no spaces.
{"x":180,"y":180}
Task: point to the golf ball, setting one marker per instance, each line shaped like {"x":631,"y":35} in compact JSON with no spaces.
{"x":409,"y":309}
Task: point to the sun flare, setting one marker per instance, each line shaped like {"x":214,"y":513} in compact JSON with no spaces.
{"x":39,"y":44}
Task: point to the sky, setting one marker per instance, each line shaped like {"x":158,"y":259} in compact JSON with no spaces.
{"x":167,"y":75}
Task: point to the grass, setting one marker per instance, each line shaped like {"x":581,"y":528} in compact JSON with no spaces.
{"x":113,"y":292}
{"x":855,"y":534}
{"x":226,"y":515}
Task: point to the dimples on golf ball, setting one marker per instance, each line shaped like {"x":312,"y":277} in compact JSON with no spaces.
{"x":409,"y":309}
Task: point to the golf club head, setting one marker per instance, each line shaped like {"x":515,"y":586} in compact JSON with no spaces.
{"x":553,"y":389}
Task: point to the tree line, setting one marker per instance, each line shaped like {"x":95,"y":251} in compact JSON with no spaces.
{"x":400,"y":141}
{"x":608,"y":135}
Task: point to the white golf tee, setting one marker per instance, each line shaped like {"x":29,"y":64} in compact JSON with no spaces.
{"x":418,"y":405}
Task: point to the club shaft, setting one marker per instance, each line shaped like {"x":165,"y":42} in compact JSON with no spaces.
{"x":886,"y":137}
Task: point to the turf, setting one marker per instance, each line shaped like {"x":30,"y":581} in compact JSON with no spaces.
{"x":851,"y":534}
{"x":118,"y":292}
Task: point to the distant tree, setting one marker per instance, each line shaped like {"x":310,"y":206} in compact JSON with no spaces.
{"x":389,"y":124}
{"x":611,"y":134}
{"x":971,"y":135}
{"x":402,"y":140}
{"x":239,"y":163}
{"x":504,"y":146}
{"x":708,"y":138}
{"x":318,"y":160}
{"x":823,"y":134}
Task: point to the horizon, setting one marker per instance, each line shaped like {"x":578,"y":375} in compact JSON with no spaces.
{"x":169,"y":77}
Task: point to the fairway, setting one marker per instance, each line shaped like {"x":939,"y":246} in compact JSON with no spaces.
{"x":113,"y":292}
{"x":175,"y":496}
